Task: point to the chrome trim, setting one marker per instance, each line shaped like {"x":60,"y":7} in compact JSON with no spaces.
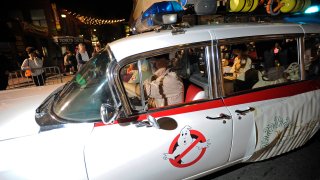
{"x":221,"y":80}
{"x":255,"y":38}
{"x":111,"y":56}
{"x":244,"y":112}
{"x":301,"y":56}
{"x":111,"y":82}
{"x":51,"y":127}
{"x":210,"y":70}
{"x":143,"y":99}
{"x":221,"y":116}
{"x":217,"y":71}
{"x":112,"y":77}
{"x":118,"y":88}
{"x":156,"y":52}
{"x":134,"y":58}
{"x":310,"y":35}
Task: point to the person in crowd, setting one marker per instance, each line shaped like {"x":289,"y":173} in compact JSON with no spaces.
{"x":163,"y":88}
{"x":67,"y":62}
{"x":82,"y":55}
{"x":39,"y":55}
{"x":73,"y":61}
{"x":96,"y":49}
{"x":34,"y":64}
{"x":4,"y":71}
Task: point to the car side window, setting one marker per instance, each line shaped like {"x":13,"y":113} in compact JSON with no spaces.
{"x":168,"y":79}
{"x":312,"y":57}
{"x":256,"y":64}
{"x":196,"y":81}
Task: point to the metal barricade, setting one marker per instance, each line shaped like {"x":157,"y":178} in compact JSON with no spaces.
{"x":50,"y":75}
{"x":53,"y":75}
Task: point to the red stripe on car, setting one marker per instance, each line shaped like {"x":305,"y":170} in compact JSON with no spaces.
{"x":261,"y":95}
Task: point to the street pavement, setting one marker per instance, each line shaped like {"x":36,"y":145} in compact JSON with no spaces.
{"x":301,"y":164}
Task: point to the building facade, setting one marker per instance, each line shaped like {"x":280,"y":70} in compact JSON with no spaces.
{"x":41,"y":24}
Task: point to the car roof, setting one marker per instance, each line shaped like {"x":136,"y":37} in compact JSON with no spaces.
{"x":149,"y":41}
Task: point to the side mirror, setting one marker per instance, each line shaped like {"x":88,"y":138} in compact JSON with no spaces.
{"x":108,"y":113}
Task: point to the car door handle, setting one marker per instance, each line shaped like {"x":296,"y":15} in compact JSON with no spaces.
{"x":222,"y":116}
{"x":244,"y":112}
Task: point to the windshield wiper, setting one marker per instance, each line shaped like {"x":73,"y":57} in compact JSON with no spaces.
{"x":54,"y":94}
{"x":57,"y":94}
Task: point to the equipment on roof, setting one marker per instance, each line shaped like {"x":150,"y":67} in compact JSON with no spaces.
{"x":158,"y":15}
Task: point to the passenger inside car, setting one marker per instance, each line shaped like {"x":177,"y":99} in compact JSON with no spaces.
{"x":241,"y":76}
{"x":131,"y":73}
{"x":312,"y":57}
{"x":276,"y":62}
{"x":241,"y":63}
{"x":163,"y":88}
{"x":185,"y":74}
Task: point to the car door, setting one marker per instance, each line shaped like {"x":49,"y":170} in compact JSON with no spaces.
{"x":189,"y":138}
{"x":131,"y":152}
{"x":272,"y":121}
{"x":273,"y":110}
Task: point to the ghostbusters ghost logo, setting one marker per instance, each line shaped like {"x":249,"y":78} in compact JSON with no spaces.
{"x":187,"y":148}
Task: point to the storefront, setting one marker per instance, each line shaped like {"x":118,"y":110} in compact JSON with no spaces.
{"x":69,"y":42}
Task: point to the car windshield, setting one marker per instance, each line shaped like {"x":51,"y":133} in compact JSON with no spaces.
{"x":81,"y":98}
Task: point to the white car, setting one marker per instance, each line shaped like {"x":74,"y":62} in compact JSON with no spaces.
{"x":95,"y":128}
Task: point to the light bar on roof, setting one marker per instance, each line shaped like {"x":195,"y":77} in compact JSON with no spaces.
{"x":160,"y":13}
{"x":166,"y":7}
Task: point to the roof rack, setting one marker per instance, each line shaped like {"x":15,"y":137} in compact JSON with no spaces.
{"x":175,"y":28}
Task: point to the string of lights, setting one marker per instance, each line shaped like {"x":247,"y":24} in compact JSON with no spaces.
{"x":93,"y":21}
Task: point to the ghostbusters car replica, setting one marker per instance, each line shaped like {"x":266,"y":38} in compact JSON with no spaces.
{"x":249,"y":92}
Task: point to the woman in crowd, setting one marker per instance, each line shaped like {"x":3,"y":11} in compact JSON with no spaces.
{"x":34,"y":63}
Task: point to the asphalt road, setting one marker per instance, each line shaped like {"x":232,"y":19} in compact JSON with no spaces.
{"x":301,"y":164}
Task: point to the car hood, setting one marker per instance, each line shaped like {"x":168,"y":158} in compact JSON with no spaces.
{"x":17,"y":110}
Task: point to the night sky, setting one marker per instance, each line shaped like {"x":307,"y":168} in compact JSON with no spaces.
{"x":119,"y":9}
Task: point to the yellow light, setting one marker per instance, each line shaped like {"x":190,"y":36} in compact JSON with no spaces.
{"x":93,"y":21}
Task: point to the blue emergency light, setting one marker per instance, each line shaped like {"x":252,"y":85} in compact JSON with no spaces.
{"x":159,"y":14}
{"x":162,"y":13}
{"x":166,"y":7}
